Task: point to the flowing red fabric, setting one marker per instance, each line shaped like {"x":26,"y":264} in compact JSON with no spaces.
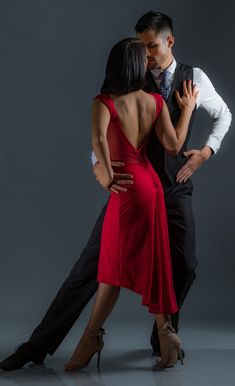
{"x":135,"y":249}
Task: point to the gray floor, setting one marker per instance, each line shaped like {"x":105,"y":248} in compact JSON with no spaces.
{"x":126,"y":360}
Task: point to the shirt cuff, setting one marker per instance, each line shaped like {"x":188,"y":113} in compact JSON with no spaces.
{"x":213,"y":144}
{"x":93,"y":158}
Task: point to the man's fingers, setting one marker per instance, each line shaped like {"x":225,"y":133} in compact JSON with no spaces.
{"x":118,"y":187}
{"x":117,"y":163}
{"x":123,"y":176}
{"x":182,"y":173}
{"x":190,"y":152}
{"x":123,"y":182}
{"x":114,"y":190}
{"x":185,"y":176}
{"x":182,"y":170}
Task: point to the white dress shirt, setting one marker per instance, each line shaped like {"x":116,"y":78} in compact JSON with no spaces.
{"x":209,"y":100}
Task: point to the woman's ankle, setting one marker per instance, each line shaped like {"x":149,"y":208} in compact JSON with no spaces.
{"x":92,"y":330}
{"x":161,"y":320}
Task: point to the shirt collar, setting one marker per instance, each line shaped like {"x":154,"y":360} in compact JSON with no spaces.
{"x":156,"y":72}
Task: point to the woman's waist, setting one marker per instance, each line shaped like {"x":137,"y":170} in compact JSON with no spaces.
{"x":138,"y":159}
{"x":136,"y":168}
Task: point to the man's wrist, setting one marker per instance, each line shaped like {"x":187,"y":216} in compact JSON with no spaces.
{"x":206,"y":152}
{"x":96,"y":163}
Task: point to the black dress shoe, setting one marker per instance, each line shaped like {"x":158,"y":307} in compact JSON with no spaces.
{"x":25,"y":353}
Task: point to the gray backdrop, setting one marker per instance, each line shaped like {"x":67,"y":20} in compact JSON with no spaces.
{"x":53,"y":56}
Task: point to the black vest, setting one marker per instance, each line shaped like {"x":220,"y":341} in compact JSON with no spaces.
{"x":164,"y":163}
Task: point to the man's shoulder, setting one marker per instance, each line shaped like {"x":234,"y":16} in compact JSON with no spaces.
{"x":188,"y":70}
{"x":184,"y":66}
{"x":190,"y":67}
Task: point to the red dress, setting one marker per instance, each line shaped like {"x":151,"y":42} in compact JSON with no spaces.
{"x":135,"y":249}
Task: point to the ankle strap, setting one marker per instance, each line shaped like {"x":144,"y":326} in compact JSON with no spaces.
{"x":166,"y":329}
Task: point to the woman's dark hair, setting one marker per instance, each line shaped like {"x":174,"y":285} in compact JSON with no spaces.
{"x":125,"y":69}
{"x":154,"y":20}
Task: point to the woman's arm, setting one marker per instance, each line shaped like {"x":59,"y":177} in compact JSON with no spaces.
{"x":100,"y":122}
{"x":172,"y":138}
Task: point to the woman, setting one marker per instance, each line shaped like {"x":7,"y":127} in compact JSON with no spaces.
{"x":135,"y":251}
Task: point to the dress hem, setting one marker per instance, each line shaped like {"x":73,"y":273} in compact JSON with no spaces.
{"x":159,"y":311}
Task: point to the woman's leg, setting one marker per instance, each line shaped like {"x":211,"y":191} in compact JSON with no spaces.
{"x":91,"y":340}
{"x":170,"y":344}
{"x":106,"y":298}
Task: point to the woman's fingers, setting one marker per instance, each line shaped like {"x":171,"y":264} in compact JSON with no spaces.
{"x":190,"y":90}
{"x":185,"y":88}
{"x":177,"y":95}
{"x":195,"y":91}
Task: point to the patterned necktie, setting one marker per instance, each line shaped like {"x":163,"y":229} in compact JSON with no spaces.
{"x":165,"y":85}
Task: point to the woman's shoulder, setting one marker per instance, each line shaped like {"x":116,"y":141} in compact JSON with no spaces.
{"x":159,"y":101}
{"x":156,"y":95}
{"x":106,"y":100}
{"x":101,"y":96}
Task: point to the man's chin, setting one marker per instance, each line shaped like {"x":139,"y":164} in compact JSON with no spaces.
{"x":152,"y":66}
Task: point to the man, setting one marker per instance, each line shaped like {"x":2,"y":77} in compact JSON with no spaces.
{"x":165,"y":76}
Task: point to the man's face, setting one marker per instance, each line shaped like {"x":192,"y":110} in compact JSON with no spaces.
{"x":158,"y":45}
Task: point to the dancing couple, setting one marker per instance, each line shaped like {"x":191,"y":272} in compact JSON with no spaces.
{"x":144,"y":238}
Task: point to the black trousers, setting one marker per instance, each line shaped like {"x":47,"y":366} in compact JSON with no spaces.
{"x":81,"y":283}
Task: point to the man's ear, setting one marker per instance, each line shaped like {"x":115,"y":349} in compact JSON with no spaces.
{"x":170,"y":41}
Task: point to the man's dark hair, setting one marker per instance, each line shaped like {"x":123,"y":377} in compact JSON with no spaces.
{"x":154,"y":20}
{"x":125,"y":69}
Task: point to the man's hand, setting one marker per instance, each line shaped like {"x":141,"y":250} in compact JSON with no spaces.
{"x":195,"y":159}
{"x":119,"y":179}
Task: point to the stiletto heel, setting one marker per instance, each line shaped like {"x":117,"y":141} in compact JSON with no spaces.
{"x":98,"y":358}
{"x":180,"y":356}
{"x":86,"y":349}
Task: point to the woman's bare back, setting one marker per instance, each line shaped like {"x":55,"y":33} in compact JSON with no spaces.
{"x":137,"y":113}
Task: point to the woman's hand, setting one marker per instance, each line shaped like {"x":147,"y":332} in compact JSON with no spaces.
{"x":188,"y":100}
{"x":104,"y":179}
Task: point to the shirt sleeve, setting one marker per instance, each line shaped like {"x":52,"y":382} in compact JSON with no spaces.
{"x":213,"y":104}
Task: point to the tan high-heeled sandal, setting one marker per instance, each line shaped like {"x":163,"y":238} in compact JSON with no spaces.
{"x":170,"y":346}
{"x":90,"y":343}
